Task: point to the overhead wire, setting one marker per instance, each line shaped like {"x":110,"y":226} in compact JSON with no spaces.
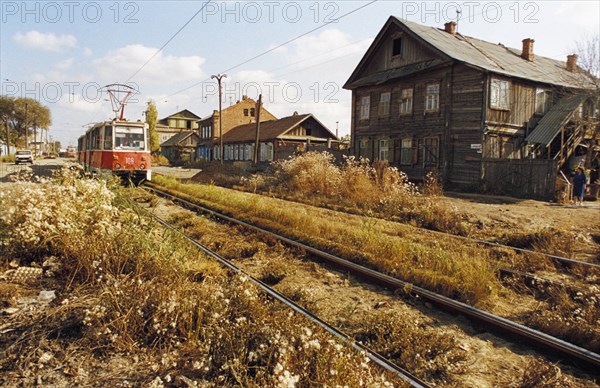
{"x":169,"y":40}
{"x":277,"y":47}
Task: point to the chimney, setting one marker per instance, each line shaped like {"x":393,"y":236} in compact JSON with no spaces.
{"x":572,"y":63}
{"x":450,"y":28}
{"x":527,"y":49}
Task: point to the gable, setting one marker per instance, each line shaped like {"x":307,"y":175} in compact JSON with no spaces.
{"x":395,"y":49}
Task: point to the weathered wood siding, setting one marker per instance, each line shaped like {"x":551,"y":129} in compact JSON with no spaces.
{"x":466,"y":132}
{"x":394,"y":126}
{"x":530,"y":178}
{"x":412,"y":52}
{"x":521,"y":106}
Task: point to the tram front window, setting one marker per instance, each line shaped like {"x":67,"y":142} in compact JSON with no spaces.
{"x":129,"y":138}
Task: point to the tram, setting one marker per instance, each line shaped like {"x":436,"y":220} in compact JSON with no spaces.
{"x":118,"y":147}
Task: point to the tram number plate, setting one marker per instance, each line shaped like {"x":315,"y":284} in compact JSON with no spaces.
{"x":129,"y":160}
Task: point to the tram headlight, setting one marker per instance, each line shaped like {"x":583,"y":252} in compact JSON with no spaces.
{"x":117,"y":166}
{"x":142,"y":166}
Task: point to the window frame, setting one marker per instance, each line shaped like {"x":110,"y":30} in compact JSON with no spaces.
{"x":364,"y":108}
{"x":383,"y":146}
{"x":433,"y":97}
{"x":545,"y":102}
{"x":428,"y":156}
{"x":406,"y":152}
{"x":499,"y":94}
{"x":384,"y":104}
{"x":406,"y":102}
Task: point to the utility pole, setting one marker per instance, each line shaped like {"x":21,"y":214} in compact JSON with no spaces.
{"x":7,"y":135}
{"x":257,"y":144}
{"x":219,"y":77}
{"x":336,"y":130}
{"x":26,"y":128}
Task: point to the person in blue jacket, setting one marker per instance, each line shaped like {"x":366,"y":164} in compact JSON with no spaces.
{"x":579,"y":181}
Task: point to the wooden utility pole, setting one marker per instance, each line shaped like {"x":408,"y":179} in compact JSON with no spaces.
{"x":7,"y":135}
{"x":257,"y":144}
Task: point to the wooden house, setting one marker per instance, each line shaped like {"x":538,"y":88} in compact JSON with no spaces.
{"x":169,"y":126}
{"x":278,"y":139}
{"x":242,"y":112}
{"x":181,"y":147}
{"x":425,"y":98}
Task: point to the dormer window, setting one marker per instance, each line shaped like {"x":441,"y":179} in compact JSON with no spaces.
{"x":397,"y":47}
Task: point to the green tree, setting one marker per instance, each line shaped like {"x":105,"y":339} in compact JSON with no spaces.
{"x":25,"y":115}
{"x":151,"y":119}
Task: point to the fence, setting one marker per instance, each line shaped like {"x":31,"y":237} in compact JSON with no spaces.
{"x":529,"y":178}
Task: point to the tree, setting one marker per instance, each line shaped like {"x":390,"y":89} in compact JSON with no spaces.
{"x":151,"y":119}
{"x":25,"y":115}
{"x":588,"y":61}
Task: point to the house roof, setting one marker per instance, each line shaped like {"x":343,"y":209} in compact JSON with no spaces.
{"x":269,"y":129}
{"x":176,"y":139}
{"x":549,"y":126}
{"x":186,"y":114}
{"x":493,"y":57}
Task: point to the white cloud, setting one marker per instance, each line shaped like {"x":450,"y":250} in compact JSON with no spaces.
{"x":118,"y":65}
{"x":45,"y":41}
{"x":87,"y":52}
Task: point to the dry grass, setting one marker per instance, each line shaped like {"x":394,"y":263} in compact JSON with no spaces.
{"x":463,"y":271}
{"x":134,"y":302}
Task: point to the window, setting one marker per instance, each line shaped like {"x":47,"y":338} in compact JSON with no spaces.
{"x":397,"y":47}
{"x":363,"y":148}
{"x":432,"y":97}
{"x":245,"y":112}
{"x":108,"y":137}
{"x":499,"y":94}
{"x":252,"y":112}
{"x":266,"y":152}
{"x":384,"y":104}
{"x":129,"y":138}
{"x":406,"y":152}
{"x":384,"y":150}
{"x":365,"y":106}
{"x":430,"y":151}
{"x":543,"y":100}
{"x":406,"y":101}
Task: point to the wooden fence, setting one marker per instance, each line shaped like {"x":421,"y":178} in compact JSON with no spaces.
{"x":528,"y":178}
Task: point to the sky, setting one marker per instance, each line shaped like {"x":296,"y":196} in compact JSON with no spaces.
{"x":297,"y":54}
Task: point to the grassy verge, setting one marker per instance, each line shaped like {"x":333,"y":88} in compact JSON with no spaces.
{"x":135,"y":304}
{"x":460,"y":271}
{"x":463,"y":271}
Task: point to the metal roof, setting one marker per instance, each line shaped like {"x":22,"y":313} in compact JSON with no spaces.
{"x":549,"y":126}
{"x":499,"y":58}
{"x":175,"y":139}
{"x":270,"y":130}
{"x":493,"y":57}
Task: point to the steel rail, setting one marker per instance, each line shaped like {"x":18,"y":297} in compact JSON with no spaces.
{"x":498,"y":324}
{"x":373,"y":356}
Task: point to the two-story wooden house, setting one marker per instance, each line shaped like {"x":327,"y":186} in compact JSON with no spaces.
{"x":182,"y":121}
{"x":425,"y":98}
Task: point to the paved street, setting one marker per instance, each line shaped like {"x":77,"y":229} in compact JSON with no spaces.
{"x":41,"y":167}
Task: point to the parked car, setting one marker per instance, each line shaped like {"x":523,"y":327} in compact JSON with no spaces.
{"x":23,"y":156}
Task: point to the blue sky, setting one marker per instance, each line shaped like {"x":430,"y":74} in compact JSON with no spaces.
{"x":59,"y":52}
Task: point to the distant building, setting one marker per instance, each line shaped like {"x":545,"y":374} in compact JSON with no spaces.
{"x":180,"y":148}
{"x":242,"y":112}
{"x":171,"y":125}
{"x":278,"y":139}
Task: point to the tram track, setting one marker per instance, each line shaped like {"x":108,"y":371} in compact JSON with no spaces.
{"x":375,"y":357}
{"x":496,"y":324}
